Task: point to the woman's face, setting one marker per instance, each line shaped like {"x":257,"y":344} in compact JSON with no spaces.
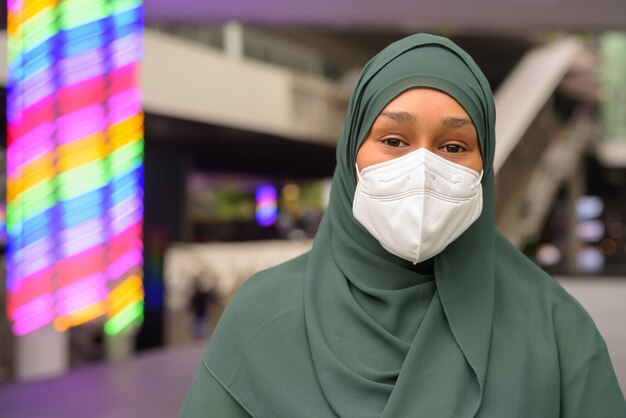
{"x":422,"y":118}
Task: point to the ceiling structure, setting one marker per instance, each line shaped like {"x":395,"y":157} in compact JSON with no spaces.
{"x":402,"y":15}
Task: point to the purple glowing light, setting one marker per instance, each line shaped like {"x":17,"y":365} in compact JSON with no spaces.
{"x":266,"y":206}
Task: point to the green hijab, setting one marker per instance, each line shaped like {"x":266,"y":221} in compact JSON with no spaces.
{"x":351,"y":330}
{"x":366,"y":309}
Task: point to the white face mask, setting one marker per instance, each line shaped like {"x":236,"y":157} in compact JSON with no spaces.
{"x":417,"y":204}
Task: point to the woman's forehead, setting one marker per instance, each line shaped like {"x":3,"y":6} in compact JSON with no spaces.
{"x":415,"y":98}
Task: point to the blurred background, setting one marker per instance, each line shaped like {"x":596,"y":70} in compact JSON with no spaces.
{"x":158,"y":154}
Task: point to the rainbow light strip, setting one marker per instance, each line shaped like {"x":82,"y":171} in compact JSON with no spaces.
{"x":74,"y":163}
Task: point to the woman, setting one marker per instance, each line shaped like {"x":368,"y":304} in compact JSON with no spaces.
{"x":410,"y":303}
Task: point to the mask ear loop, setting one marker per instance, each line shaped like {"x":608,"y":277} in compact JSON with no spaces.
{"x":358,"y":173}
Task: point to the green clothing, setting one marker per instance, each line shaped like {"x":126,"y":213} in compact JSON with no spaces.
{"x":350,"y":330}
{"x":210,"y":399}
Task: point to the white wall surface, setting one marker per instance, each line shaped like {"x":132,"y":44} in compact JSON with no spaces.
{"x":195,"y":82}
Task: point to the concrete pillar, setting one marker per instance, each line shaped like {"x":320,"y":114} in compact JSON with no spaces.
{"x":233,"y":39}
{"x":42,"y":353}
{"x":120,"y":346}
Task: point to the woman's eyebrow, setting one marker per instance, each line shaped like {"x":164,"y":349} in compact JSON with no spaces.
{"x":452,"y":122}
{"x":400,"y":116}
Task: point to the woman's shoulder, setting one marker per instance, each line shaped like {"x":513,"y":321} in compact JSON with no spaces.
{"x":536,"y":318}
{"x":524,"y":286}
{"x":262,"y":299}
{"x":527,"y":298}
{"x":520,"y":276}
{"x":271,"y":291}
{"x":527,"y":291}
{"x":264,"y":303}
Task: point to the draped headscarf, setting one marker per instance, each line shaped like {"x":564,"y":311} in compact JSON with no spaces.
{"x":351,"y":330}
{"x":377,"y":325}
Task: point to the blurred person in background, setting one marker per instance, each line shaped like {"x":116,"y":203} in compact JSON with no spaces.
{"x":199,"y":305}
{"x":411,"y":303}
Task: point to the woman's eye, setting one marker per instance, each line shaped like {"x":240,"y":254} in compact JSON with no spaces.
{"x":393,"y":142}
{"x":453,"y":148}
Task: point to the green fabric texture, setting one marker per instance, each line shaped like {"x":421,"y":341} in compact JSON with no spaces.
{"x":350,"y":330}
{"x":212,"y":400}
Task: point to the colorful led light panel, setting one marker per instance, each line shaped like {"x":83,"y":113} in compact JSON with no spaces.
{"x":74,"y":163}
